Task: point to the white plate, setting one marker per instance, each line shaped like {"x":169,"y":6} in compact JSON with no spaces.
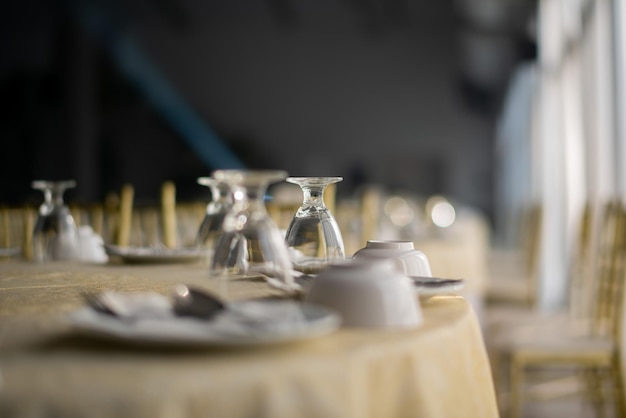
{"x":433,"y":286}
{"x":155,"y":255}
{"x":309,"y":321}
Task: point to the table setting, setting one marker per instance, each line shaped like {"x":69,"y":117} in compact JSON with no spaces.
{"x":246,"y":300}
{"x":151,"y":318}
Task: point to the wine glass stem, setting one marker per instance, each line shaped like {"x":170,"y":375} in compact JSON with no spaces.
{"x":57,"y":198}
{"x":313,"y":195}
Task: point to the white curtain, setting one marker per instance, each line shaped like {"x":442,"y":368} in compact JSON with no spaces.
{"x":560,"y":141}
{"x":576,"y":136}
{"x":600,"y":109}
{"x":515,"y":162}
{"x":551,"y":42}
{"x":619,"y":32}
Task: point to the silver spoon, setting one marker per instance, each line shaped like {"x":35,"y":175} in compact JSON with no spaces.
{"x":196,"y":303}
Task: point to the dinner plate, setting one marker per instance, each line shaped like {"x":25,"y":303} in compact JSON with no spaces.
{"x":155,"y":254}
{"x":285,"y":321}
{"x":433,"y":286}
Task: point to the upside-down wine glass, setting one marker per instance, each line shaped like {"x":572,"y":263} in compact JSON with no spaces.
{"x":251,"y":243}
{"x":55,"y":236}
{"x":313,"y":237}
{"x":216,"y":210}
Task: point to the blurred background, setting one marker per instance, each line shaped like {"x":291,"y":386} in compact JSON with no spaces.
{"x":401,"y":93}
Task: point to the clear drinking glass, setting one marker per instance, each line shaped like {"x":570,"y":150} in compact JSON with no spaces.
{"x":251,"y":243}
{"x":313,"y":237}
{"x":216,"y":210}
{"x":55,"y":236}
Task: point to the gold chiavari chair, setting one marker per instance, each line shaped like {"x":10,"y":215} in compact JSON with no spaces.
{"x":500,"y":316}
{"x":16,"y":229}
{"x":593,"y":352}
{"x":513,"y":273}
{"x":583,"y":265}
{"x":168,"y":212}
{"x":125,"y":216}
{"x":370,"y":213}
{"x":167,"y":223}
{"x":505,"y":322}
{"x":180,"y":219}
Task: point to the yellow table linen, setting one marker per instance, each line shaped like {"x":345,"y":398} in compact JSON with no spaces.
{"x":438,"y":370}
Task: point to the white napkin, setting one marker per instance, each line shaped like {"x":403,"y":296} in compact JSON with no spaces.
{"x":138,"y":305}
{"x":276,"y":317}
{"x":91,"y":246}
{"x":150,"y":313}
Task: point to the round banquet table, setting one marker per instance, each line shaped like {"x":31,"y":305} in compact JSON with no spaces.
{"x":440,"y":369}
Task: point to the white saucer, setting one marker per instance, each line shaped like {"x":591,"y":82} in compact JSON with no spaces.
{"x":433,"y":286}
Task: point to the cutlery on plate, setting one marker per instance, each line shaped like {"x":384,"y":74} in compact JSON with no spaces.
{"x":189,"y":301}
{"x":434,"y":281}
{"x":186,"y":302}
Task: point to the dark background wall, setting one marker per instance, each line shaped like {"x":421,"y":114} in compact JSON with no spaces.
{"x":400,"y":93}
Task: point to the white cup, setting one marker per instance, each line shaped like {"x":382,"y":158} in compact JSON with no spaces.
{"x":405,"y":257}
{"x":367,"y":293}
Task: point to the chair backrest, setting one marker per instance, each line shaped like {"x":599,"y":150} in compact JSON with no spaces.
{"x":531,"y":224}
{"x":615,"y":295}
{"x":168,"y":214}
{"x":16,"y":230}
{"x":125,"y":215}
{"x":148,"y":224}
{"x":371,"y":201}
{"x":581,"y":283}
{"x":531,"y":241}
{"x":607,"y":308}
{"x":11,"y":227}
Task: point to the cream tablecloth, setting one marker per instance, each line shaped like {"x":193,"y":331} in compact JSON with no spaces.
{"x":438,"y":370}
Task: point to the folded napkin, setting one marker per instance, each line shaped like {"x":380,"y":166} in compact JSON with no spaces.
{"x":150,"y":313}
{"x":91,"y":246}
{"x":137,"y":305}
{"x":279,"y":317}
